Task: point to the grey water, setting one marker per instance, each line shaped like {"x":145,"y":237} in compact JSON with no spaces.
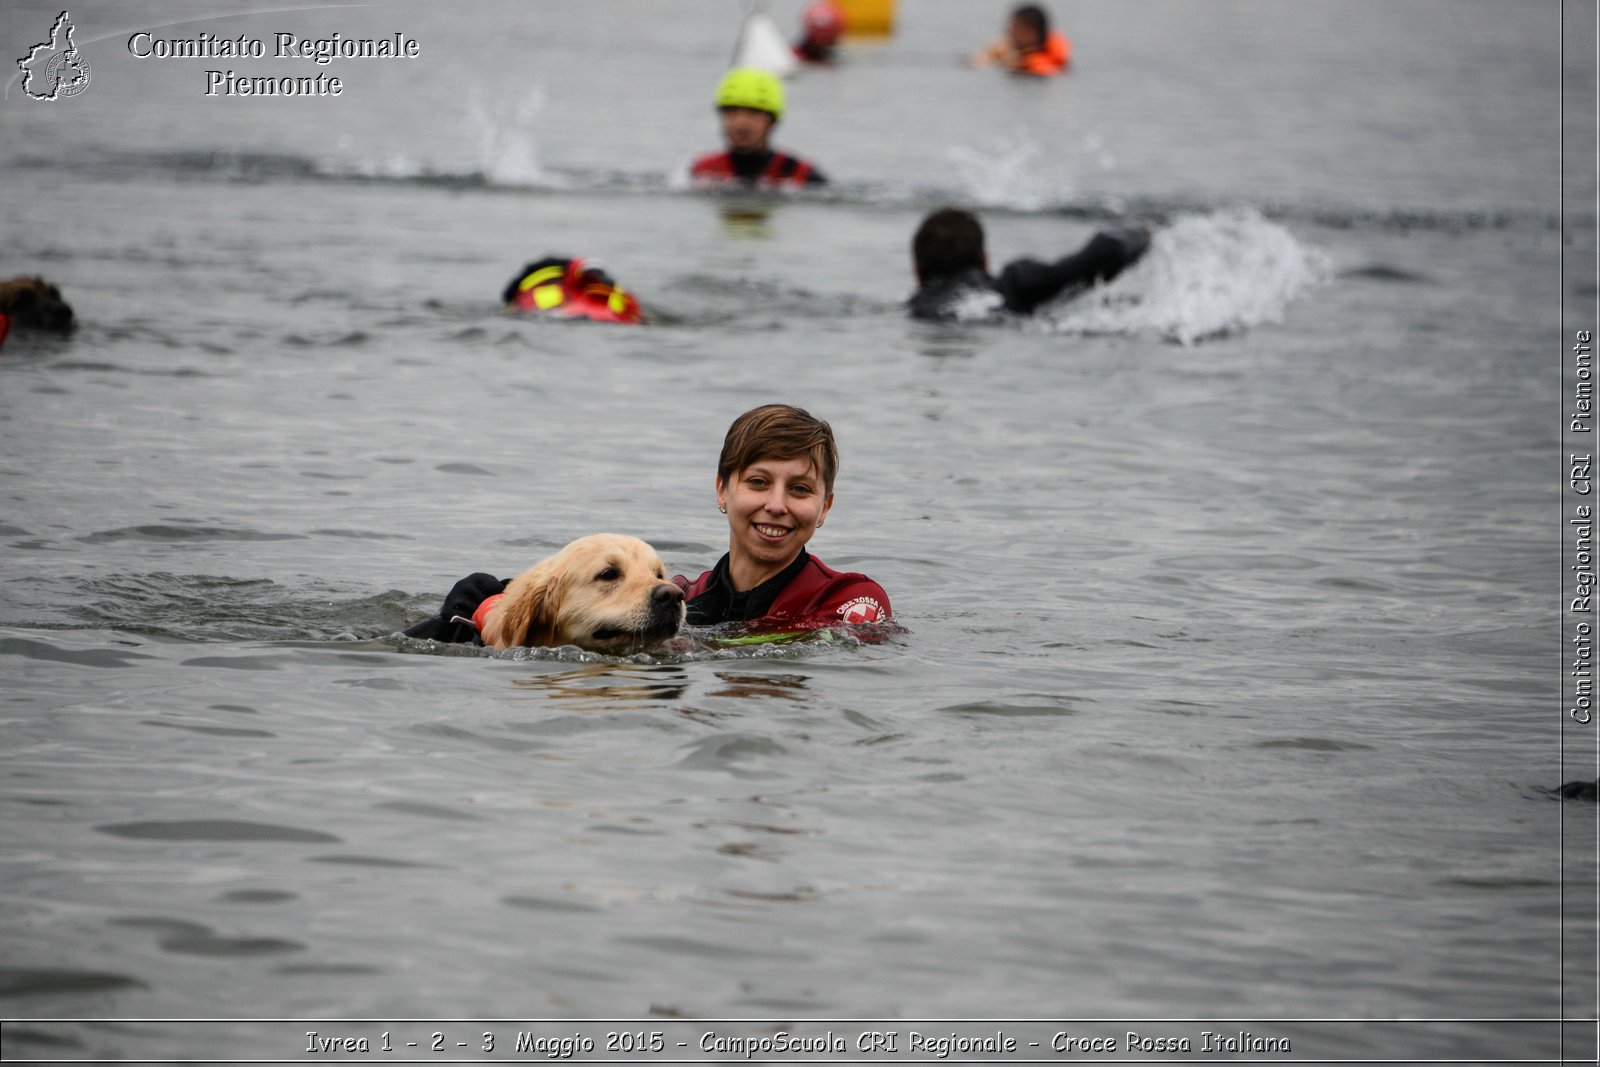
{"x":1230,"y":669}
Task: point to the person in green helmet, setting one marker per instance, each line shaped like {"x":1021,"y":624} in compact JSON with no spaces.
{"x":750,"y":101}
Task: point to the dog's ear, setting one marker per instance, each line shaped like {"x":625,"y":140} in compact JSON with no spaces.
{"x":527,"y":615}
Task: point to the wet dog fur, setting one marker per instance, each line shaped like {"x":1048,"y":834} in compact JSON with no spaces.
{"x":607,"y":592}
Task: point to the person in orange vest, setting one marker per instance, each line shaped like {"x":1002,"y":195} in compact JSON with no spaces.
{"x":750,"y":101}
{"x":1030,"y":46}
{"x":570,"y":289}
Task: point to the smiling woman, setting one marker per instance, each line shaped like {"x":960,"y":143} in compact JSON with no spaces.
{"x":775,"y":484}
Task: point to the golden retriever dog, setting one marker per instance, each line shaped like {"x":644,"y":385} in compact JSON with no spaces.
{"x":606,"y":592}
{"x":34,"y":304}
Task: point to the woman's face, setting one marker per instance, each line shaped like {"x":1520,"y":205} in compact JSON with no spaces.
{"x":774,"y":506}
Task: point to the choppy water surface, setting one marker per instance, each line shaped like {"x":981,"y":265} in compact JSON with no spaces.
{"x":1229,"y":672}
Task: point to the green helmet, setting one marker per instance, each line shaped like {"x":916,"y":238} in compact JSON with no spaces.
{"x":751,"y":87}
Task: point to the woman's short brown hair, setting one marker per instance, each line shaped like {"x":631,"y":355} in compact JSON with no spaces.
{"x":778,"y":431}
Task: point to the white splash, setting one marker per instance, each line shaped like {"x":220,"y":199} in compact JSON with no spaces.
{"x":508,"y":150}
{"x":1204,"y":275}
{"x":977,"y":305}
{"x":1094,"y":147}
{"x":1011,"y":173}
{"x":1006,"y":175}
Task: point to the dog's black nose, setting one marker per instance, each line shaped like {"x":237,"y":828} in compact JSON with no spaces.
{"x":666,"y":594}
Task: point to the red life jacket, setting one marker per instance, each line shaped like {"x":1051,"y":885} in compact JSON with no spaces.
{"x":5,"y":328}
{"x":481,"y":616}
{"x":574,"y":291}
{"x":780,"y":170}
{"x":816,"y":597}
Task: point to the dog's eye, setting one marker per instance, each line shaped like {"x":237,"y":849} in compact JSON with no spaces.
{"x":610,"y":574}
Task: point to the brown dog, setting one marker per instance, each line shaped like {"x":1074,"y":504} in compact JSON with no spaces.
{"x":604,"y":592}
{"x":35,"y":304}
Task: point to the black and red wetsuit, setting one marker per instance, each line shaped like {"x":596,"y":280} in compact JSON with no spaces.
{"x":804,"y":595}
{"x":764,"y":168}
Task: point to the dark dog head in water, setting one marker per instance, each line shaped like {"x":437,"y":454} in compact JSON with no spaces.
{"x":607,"y":592}
{"x":35,"y":304}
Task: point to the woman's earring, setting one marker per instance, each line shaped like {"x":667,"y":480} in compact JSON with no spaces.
{"x":819,"y":524}
{"x":722,"y":508}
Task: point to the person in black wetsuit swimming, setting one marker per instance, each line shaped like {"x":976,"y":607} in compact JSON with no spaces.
{"x":953,"y":269}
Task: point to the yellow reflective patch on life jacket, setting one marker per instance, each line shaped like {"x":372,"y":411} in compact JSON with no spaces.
{"x":549,"y":296}
{"x":618,"y":301}
{"x":540,"y":276}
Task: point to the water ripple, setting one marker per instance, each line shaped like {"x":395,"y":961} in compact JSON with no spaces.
{"x":216,"y":830}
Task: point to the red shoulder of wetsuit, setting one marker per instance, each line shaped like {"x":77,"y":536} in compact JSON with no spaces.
{"x":1052,"y":58}
{"x":786,"y":170}
{"x":717,"y":166}
{"x":818,"y":596}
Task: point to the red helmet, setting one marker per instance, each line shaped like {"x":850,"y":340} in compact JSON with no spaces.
{"x":823,"y":22}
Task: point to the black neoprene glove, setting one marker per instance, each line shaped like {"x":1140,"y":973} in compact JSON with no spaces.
{"x":463,"y":599}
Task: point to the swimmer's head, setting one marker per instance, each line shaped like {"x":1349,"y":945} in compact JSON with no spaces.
{"x":1029,"y":28}
{"x":823,"y":22}
{"x":779,"y":432}
{"x":949,"y":242}
{"x":749,"y":101}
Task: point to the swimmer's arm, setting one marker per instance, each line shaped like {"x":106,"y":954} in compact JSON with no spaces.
{"x":998,"y":52}
{"x":1027,"y":283}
